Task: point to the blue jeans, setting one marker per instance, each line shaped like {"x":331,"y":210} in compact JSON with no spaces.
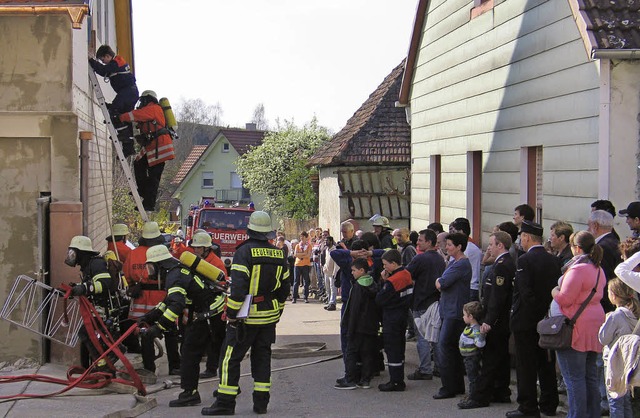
{"x":424,"y":349}
{"x":621,"y":407}
{"x":580,"y":374}
{"x":449,"y":358}
{"x":301,"y":273}
{"x":604,"y":401}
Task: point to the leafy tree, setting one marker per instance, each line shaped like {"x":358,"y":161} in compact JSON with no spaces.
{"x":277,"y":169}
{"x":259,"y":118}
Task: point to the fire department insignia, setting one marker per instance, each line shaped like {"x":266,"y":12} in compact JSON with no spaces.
{"x":499,"y":280}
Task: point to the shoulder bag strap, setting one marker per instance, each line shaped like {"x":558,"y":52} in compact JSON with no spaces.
{"x":573,"y":320}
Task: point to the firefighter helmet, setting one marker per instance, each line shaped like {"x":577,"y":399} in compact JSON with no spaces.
{"x":381,"y":221}
{"x":82,"y":243}
{"x":201,"y":239}
{"x":150,"y":93}
{"x":120,"y":230}
{"x":150,"y":230}
{"x":158,"y":253}
{"x":260,"y":221}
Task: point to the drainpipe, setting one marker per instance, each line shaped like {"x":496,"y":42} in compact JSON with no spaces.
{"x":42,"y":257}
{"x":84,"y":184}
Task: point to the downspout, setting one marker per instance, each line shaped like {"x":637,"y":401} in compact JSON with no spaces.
{"x":42,"y":256}
{"x":84,"y":184}
{"x":604,"y":115}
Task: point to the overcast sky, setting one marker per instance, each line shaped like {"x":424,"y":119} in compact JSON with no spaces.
{"x":299,"y":58}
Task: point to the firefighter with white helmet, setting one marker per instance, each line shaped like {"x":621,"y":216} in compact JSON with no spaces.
{"x":96,"y":284}
{"x":261,"y":270}
{"x":183,"y":287}
{"x":156,"y":143}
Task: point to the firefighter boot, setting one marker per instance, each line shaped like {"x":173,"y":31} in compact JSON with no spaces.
{"x":186,"y":398}
{"x":224,"y":405}
{"x":260,"y":402}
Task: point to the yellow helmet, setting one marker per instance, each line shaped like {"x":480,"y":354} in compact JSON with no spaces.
{"x":150,"y":230}
{"x":201,"y":239}
{"x":260,"y":221}
{"x":120,"y":230}
{"x":158,"y":253}
{"x":82,"y":243}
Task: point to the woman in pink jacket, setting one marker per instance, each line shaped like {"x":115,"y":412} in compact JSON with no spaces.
{"x":578,"y":363}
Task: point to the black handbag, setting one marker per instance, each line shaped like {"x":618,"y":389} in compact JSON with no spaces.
{"x":556,"y":331}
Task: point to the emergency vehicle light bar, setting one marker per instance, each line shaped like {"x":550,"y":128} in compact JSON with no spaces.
{"x":35,"y":306}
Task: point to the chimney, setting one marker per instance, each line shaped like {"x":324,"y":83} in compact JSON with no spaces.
{"x":250,"y":126}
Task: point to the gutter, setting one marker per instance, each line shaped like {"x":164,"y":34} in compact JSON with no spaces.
{"x":615,"y":54}
{"x":76,"y":12}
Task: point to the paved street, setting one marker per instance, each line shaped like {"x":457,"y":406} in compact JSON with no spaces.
{"x":299,"y":388}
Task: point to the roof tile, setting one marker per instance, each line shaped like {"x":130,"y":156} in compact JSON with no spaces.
{"x":615,"y":24}
{"x":377,"y":133}
{"x":193,"y":157}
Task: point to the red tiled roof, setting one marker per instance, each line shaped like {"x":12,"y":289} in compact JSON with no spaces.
{"x":378,"y":133}
{"x":193,"y":157}
{"x":241,"y":139}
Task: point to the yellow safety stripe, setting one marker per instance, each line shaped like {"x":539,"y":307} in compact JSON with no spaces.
{"x":265,"y":321}
{"x":217,"y":304}
{"x":281,"y":307}
{"x":185,"y":271}
{"x":286,"y":274}
{"x":162,"y":306}
{"x":97,"y":287}
{"x":267,"y":252}
{"x":228,"y":390}
{"x":240,"y":268}
{"x":177,"y":290}
{"x":261,"y":386}
{"x":255,"y":279}
{"x":170,"y":315}
{"x":224,"y":370}
{"x":233,"y":304}
{"x":160,"y":326}
{"x":198,"y":281}
{"x":278,"y":275}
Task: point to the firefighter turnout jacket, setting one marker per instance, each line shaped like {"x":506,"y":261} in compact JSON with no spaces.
{"x":261,"y":270}
{"x":97,"y":280}
{"x":184,"y":287}
{"x":135,"y":271}
{"x":121,"y":246}
{"x":151,"y":122}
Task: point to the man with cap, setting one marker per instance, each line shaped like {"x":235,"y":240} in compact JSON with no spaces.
{"x":537,"y":274}
{"x":632,"y":213}
{"x":147,"y":292}
{"x":259,"y":277}
{"x":205,"y":300}
{"x":383,"y":230}
{"x":96,"y":284}
{"x":117,"y":242}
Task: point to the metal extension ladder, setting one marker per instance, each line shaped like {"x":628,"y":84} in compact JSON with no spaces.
{"x":113,"y":136}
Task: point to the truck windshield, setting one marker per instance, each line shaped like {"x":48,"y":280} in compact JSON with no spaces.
{"x":223,"y":219}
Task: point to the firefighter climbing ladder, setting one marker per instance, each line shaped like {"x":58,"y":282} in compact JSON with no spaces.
{"x":113,"y":136}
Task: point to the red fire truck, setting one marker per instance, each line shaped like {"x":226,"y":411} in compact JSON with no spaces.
{"x":226,"y":225}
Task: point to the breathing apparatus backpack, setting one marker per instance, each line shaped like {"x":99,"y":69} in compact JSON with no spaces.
{"x":169,"y":117}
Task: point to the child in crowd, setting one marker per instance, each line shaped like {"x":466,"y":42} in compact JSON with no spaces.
{"x":362,"y":321}
{"x":394,"y":298}
{"x":471,"y":342}
{"x":620,"y":322}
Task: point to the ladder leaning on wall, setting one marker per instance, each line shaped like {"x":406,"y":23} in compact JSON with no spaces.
{"x":113,"y":136}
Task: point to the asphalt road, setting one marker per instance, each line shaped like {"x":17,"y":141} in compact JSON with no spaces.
{"x":301,"y":386}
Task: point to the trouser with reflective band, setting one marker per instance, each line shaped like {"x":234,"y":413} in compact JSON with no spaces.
{"x":219,"y":330}
{"x":394,"y":345}
{"x":259,"y":340}
{"x":197,"y":338}
{"x":149,"y":351}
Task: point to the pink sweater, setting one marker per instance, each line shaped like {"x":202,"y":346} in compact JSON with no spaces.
{"x":575,"y":288}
